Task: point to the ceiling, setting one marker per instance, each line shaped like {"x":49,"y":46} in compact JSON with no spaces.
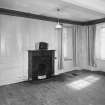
{"x":77,"y":10}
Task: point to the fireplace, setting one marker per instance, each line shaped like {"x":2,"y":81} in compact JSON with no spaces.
{"x":41,"y":64}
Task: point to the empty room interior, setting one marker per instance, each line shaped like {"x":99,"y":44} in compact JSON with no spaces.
{"x":52,"y":52}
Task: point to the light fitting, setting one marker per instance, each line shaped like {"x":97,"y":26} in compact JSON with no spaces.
{"x":58,"y":26}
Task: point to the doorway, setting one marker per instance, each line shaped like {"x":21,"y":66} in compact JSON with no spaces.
{"x":65,"y":49}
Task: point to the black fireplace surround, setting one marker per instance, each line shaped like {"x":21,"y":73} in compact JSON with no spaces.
{"x":40,"y":63}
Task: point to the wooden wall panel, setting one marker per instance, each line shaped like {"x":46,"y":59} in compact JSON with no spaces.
{"x":17,"y":36}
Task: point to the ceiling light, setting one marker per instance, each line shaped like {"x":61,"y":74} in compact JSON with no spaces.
{"x":58,"y":26}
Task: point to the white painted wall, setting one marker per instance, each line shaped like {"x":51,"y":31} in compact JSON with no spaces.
{"x":17,"y":36}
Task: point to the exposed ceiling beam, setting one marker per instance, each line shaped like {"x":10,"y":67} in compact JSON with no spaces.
{"x":46,"y":18}
{"x":34,"y":16}
{"x":97,"y":21}
{"x":94,"y":5}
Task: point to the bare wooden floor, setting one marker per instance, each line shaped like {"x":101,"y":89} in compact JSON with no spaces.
{"x":61,"y":90}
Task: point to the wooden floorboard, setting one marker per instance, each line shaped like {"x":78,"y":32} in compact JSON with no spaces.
{"x":55,"y":91}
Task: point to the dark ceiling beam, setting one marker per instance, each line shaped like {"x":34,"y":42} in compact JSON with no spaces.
{"x":46,"y":18}
{"x":34,"y":16}
{"x":97,"y":21}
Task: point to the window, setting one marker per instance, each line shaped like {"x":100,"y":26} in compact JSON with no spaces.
{"x":67,"y":42}
{"x":100,"y":42}
{"x":102,"y":39}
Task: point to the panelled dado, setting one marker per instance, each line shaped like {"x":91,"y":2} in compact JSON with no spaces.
{"x":17,"y":36}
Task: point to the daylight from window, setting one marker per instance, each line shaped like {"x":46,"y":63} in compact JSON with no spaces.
{"x":102,"y":42}
{"x":83,"y":83}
